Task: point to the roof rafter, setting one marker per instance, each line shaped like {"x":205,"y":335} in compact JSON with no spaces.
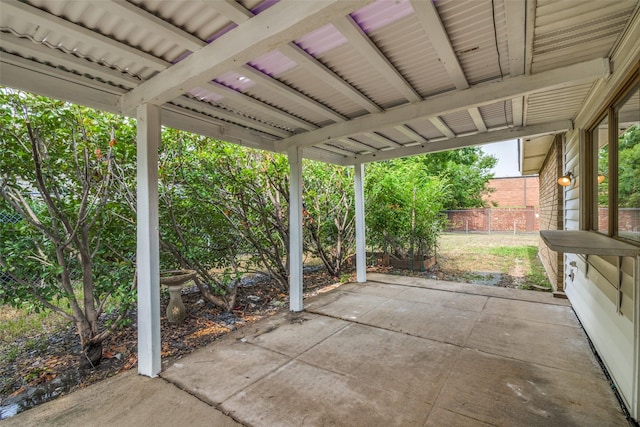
{"x":464,"y":141}
{"x":48,"y":21}
{"x":157,"y":25}
{"x":21,"y":73}
{"x":238,"y":14}
{"x":300,"y":98}
{"x":429,"y":19}
{"x":431,"y":23}
{"x":327,"y":76}
{"x":415,"y":136}
{"x":479,"y":95}
{"x":232,"y":117}
{"x":442,"y":127}
{"x":381,"y":138}
{"x":231,"y":9}
{"x":277,"y":25}
{"x":266,"y":109}
{"x":70,"y":62}
{"x":362,"y":43}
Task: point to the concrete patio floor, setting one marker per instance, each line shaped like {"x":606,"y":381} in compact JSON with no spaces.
{"x":396,"y":351}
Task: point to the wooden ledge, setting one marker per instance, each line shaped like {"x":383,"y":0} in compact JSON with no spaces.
{"x":587,"y":243}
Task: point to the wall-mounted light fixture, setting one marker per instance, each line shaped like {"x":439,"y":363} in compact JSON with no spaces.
{"x":566,"y":179}
{"x":601,"y":178}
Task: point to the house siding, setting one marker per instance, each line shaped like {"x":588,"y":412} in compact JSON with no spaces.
{"x":603,"y":290}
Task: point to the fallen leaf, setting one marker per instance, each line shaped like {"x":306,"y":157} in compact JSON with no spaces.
{"x":18,"y":391}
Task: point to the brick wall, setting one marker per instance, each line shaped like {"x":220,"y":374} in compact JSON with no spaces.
{"x":551,"y":212}
{"x":517,"y":192}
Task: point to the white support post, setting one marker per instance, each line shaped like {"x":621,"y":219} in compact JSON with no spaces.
{"x":361,"y":249}
{"x":295,"y":229}
{"x":148,"y":255}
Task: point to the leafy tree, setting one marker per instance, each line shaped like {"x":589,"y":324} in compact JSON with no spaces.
{"x":629,"y":168}
{"x":466,"y":170}
{"x":329,"y":215}
{"x":60,"y":173}
{"x":254,"y":197}
{"x":194,"y":230}
{"x":404,"y":207}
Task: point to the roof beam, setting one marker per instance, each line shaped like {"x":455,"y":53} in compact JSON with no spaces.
{"x":281,"y":23}
{"x":464,"y":141}
{"x":516,"y":12}
{"x":476,"y":96}
{"x":298,"y":97}
{"x":47,"y":21}
{"x":153,"y":23}
{"x":24,"y":74}
{"x":363,"y":44}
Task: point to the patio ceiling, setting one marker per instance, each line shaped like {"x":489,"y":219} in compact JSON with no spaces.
{"x":350,"y":81}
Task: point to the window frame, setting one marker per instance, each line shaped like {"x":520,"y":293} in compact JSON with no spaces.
{"x":609,"y":112}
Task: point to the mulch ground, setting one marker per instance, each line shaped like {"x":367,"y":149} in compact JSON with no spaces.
{"x":55,"y":367}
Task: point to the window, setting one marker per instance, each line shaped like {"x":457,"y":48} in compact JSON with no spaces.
{"x":628,"y":170}
{"x":615,"y":174}
{"x":601,"y":144}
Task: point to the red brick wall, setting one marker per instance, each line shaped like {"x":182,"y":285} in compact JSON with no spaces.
{"x":551,"y":213}
{"x":518,"y":192}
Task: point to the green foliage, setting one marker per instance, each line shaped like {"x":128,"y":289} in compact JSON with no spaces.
{"x":467,"y":171}
{"x":329,"y":214}
{"x":629,"y":168}
{"x":194,"y":230}
{"x":60,"y":174}
{"x":404,"y":205}
{"x":254,"y":197}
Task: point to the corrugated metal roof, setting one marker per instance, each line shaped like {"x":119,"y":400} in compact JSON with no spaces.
{"x":298,"y":79}
{"x":571,"y":31}
{"x":557,"y":104}
{"x":497,"y":114}
{"x":227,"y":62}
{"x":352,"y":67}
{"x":471,"y":29}
{"x":400,"y":41}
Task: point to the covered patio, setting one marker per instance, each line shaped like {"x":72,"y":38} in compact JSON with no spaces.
{"x":353,"y":82}
{"x":395,"y":351}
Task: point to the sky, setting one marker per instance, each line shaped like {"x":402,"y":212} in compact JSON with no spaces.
{"x":508,"y":158}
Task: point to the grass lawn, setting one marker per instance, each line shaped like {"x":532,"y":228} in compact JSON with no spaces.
{"x":507,"y":257}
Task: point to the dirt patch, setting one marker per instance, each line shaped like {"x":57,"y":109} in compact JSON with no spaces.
{"x":504,"y":260}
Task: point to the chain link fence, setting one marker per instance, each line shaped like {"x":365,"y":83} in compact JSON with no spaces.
{"x":490,"y":220}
